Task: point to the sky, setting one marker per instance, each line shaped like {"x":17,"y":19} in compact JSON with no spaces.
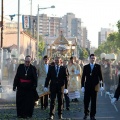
{"x":95,"y":14}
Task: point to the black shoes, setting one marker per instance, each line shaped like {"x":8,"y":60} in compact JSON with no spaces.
{"x":68,"y":108}
{"x":60,"y":117}
{"x":85,"y":117}
{"x":44,"y":108}
{"x":92,"y":118}
{"x":75,"y":100}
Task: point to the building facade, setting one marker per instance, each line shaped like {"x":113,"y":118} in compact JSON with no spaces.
{"x":103,"y":34}
{"x":10,"y":40}
{"x":52,"y":26}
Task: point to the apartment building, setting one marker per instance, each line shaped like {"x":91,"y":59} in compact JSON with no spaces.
{"x":84,"y":37}
{"x":51,"y":26}
{"x":103,"y":34}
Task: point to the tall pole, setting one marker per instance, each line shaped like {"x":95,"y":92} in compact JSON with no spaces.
{"x":1,"y":40}
{"x":2,"y":24}
{"x":31,"y":25}
{"x":31,"y":8}
{"x":31,"y":15}
{"x":37,"y":33}
{"x":18,"y":35}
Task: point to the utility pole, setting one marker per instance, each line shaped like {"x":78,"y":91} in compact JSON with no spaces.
{"x":31,"y":22}
{"x":18,"y":35}
{"x":1,"y":39}
{"x":31,"y":8}
{"x":2,"y":24}
{"x":37,"y":33}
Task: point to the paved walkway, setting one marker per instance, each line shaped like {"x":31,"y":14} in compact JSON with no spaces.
{"x":105,"y":110}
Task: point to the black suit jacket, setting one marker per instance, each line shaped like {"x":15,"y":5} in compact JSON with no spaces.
{"x":91,"y":79}
{"x":56,"y":83}
{"x":117,"y":91}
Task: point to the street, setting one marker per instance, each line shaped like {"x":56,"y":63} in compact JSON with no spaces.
{"x":105,"y":110}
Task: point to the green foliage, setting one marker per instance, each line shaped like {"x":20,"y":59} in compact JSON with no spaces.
{"x":41,"y":44}
{"x":112,"y":45}
{"x":83,"y":53}
{"x":41,"y":47}
{"x":118,"y":25}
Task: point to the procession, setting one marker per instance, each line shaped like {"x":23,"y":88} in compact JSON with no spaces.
{"x":59,"y":60}
{"x":38,"y":85}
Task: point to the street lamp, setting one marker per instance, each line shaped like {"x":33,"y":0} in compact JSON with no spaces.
{"x":38,"y":25}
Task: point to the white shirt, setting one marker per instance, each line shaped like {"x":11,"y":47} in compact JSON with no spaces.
{"x":46,"y":68}
{"x":92,"y":66}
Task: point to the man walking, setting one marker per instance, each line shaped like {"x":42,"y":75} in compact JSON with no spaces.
{"x":42,"y":74}
{"x":91,"y":78}
{"x":25,"y":83}
{"x":57,"y":78}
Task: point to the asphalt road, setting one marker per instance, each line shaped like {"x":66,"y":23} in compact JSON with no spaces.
{"x":105,"y":110}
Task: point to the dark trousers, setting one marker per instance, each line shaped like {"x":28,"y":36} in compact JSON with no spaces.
{"x":59,"y":95}
{"x":66,"y":100}
{"x":44,"y":101}
{"x":90,"y":95}
{"x":25,"y":103}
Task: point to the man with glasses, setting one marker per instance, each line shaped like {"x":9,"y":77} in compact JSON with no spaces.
{"x":57,"y":78}
{"x":91,"y":78}
{"x":25,"y":83}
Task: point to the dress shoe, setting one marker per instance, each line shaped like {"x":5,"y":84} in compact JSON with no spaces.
{"x":67,"y":108}
{"x":72,"y":100}
{"x":45,"y":108}
{"x":60,"y":117}
{"x":51,"y":117}
{"x":85,"y":117}
{"x":76,"y":100}
{"x":92,"y":118}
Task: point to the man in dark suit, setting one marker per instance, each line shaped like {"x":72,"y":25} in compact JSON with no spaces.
{"x":117,"y":93}
{"x":91,"y":78}
{"x":57,"y":78}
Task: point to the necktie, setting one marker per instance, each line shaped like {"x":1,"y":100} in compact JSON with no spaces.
{"x":92,"y":67}
{"x":57,"y":70}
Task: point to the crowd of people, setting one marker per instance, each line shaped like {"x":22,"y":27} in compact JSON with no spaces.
{"x":64,"y":79}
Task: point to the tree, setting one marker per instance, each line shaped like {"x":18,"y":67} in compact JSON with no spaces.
{"x":118,"y":25}
{"x":112,"y":44}
{"x":83,"y":54}
{"x":41,"y":47}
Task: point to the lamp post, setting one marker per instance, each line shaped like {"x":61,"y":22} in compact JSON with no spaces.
{"x":18,"y":35}
{"x":38,"y":24}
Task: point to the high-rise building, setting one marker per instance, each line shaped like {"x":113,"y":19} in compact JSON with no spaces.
{"x":88,"y":44}
{"x":48,"y":26}
{"x":84,"y":37}
{"x":103,"y":34}
{"x":71,"y":26}
{"x":33,"y":25}
{"x":51,"y":26}
{"x":76,"y":29}
{"x":66,"y":24}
